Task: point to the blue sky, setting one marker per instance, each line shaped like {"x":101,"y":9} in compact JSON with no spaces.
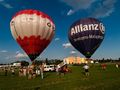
{"x":63,"y":13}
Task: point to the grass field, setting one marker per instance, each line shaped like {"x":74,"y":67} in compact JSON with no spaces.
{"x":99,"y":79}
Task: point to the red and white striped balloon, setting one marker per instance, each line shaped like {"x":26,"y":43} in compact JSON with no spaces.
{"x":33,"y":30}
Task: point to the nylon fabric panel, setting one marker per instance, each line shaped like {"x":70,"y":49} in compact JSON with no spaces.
{"x":33,"y":30}
{"x":87,"y":36}
{"x":13,"y":29}
{"x":35,"y":46}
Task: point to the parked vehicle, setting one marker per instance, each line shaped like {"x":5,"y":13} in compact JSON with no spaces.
{"x":49,"y":68}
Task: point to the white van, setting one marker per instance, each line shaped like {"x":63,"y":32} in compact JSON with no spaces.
{"x":49,"y":67}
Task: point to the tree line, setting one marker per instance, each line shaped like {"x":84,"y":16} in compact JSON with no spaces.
{"x":57,"y":61}
{"x":107,"y":60}
{"x":38,"y":62}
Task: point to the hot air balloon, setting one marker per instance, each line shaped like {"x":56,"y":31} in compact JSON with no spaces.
{"x":33,"y":30}
{"x":86,"y":35}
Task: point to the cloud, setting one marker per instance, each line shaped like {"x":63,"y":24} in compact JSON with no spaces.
{"x":73,"y":52}
{"x":57,"y":39}
{"x":95,"y":8}
{"x":104,"y":9}
{"x":70,"y":12}
{"x":5,"y":4}
{"x":6,"y":57}
{"x":77,"y":5}
{"x":3,"y":51}
{"x":67,"y":45}
{"x":21,"y":55}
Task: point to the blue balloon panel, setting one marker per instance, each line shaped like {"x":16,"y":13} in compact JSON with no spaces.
{"x":86,"y":35}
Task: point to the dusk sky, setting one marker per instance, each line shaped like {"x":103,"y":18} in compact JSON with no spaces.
{"x":63,"y":13}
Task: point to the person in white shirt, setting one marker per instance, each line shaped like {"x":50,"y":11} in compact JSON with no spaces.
{"x":42,"y":70}
{"x":117,"y":66}
{"x":86,"y":68}
{"x":57,"y":69}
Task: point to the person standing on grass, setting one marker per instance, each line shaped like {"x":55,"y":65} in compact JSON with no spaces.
{"x":20,"y":71}
{"x":103,"y":66}
{"x":58,"y":69}
{"x":37,"y":71}
{"x":42,"y":70}
{"x":34,"y":72}
{"x":13,"y":71}
{"x":6,"y":71}
{"x":30,"y":72}
{"x":86,"y":69}
{"x":24,"y":71}
{"x":117,"y":66}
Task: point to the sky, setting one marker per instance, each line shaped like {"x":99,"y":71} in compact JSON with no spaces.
{"x":63,"y":13}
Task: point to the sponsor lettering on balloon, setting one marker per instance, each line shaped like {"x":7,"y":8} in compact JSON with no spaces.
{"x":82,"y":28}
{"x":88,"y":37}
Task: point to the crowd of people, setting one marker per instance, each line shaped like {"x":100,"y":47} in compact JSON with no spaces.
{"x":31,"y":71}
{"x":34,"y":71}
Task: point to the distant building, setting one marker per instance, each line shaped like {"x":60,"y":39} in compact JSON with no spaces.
{"x":74,"y":60}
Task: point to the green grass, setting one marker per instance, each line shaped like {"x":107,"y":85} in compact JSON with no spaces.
{"x":99,"y":79}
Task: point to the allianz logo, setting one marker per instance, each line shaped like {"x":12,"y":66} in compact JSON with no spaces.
{"x":87,"y":27}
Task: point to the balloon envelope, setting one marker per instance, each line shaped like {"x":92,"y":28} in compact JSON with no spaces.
{"x":33,"y":31}
{"x":86,"y":35}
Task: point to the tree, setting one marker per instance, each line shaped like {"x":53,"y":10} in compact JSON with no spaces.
{"x":24,"y":63}
{"x":46,"y":61}
{"x":58,"y":61}
{"x":38,"y":62}
{"x":119,"y":59}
